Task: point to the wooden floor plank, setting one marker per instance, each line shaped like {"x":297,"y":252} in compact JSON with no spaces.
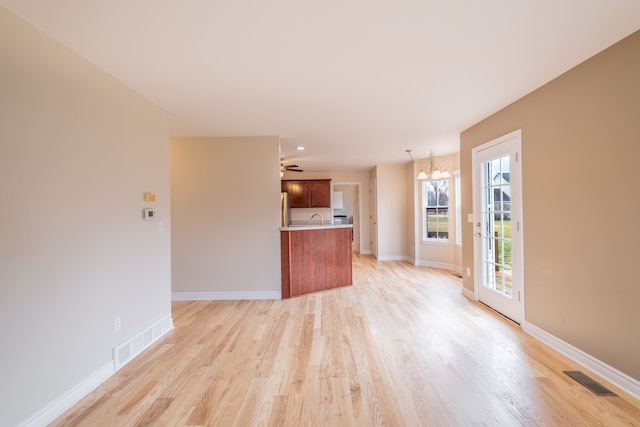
{"x":401,"y":347}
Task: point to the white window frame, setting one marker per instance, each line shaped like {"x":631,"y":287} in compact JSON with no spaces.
{"x":425,"y":201}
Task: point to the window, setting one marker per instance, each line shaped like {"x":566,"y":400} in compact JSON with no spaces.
{"x":435,"y":206}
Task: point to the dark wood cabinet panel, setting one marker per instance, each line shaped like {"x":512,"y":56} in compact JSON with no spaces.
{"x":298,"y":194}
{"x":308,"y":193}
{"x":315,"y":260}
{"x":319,"y":194}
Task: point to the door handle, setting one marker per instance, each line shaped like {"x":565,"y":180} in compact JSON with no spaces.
{"x":477,"y":234}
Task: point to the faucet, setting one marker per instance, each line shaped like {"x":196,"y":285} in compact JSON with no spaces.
{"x":314,"y":215}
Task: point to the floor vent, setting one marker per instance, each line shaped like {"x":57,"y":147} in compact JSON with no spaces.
{"x":141,"y":341}
{"x":590,"y":383}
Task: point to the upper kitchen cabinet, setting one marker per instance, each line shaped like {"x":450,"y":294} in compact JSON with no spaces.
{"x":308,"y":193}
{"x":320,"y":194}
{"x":298,"y":193}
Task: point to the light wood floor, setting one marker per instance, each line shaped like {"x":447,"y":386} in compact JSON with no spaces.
{"x":402,"y":347}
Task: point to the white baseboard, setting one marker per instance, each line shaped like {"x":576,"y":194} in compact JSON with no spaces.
{"x":610,"y":374}
{"x":70,"y":398}
{"x":392,"y":258}
{"x":220,"y":296}
{"x":367,"y":252}
{"x":469,"y":294}
{"x":56,"y":408}
{"x":441,"y":265}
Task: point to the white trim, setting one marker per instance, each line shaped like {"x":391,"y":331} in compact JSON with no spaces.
{"x":70,"y":398}
{"x":441,"y":265}
{"x":423,"y":231}
{"x":393,"y":258}
{"x":610,"y":374}
{"x":365,"y":252}
{"x":357,"y":184}
{"x":510,"y":143}
{"x":220,"y":296}
{"x":73,"y":396}
{"x":373,"y":217}
{"x":435,"y":241}
{"x":457,"y":215}
{"x":469,"y":294}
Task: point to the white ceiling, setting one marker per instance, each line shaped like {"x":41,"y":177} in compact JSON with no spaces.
{"x":355,"y":81}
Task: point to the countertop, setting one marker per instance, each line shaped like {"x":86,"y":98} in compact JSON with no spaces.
{"x":300,"y":227}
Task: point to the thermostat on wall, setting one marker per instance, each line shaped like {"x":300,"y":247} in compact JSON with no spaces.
{"x":148,"y":214}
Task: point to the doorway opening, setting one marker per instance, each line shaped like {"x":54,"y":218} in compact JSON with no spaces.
{"x":346,"y":208}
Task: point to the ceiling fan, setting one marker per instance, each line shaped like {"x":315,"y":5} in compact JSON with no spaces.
{"x":292,"y":168}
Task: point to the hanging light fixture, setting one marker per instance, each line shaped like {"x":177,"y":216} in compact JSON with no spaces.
{"x":422,"y":175}
{"x":434,"y":170}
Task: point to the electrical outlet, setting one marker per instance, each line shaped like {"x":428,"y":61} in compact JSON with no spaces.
{"x":469,"y":271}
{"x":117,"y":324}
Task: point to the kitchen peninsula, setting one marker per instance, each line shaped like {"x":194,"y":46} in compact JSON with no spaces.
{"x":315,"y":258}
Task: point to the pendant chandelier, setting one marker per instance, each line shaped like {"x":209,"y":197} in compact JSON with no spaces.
{"x":434,"y":171}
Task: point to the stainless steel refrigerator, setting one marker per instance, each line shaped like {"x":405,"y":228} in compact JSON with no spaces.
{"x":285,"y":210}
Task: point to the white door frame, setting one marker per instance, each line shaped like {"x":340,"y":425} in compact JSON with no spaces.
{"x":373,"y":216}
{"x":357,"y":221}
{"x":516,"y":211}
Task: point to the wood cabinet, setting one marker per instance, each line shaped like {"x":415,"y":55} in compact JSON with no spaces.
{"x":308,"y":193}
{"x":315,"y":260}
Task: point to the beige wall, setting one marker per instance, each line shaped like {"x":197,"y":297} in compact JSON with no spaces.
{"x":392,"y":212}
{"x":225,"y":207}
{"x":580,"y":154}
{"x":77,"y":152}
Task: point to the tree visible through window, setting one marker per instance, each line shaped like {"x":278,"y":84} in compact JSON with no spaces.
{"x":435,"y":201}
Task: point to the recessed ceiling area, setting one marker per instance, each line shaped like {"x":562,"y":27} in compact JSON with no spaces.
{"x":354,"y":82}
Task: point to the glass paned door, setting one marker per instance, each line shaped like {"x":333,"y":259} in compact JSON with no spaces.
{"x":498,"y":225}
